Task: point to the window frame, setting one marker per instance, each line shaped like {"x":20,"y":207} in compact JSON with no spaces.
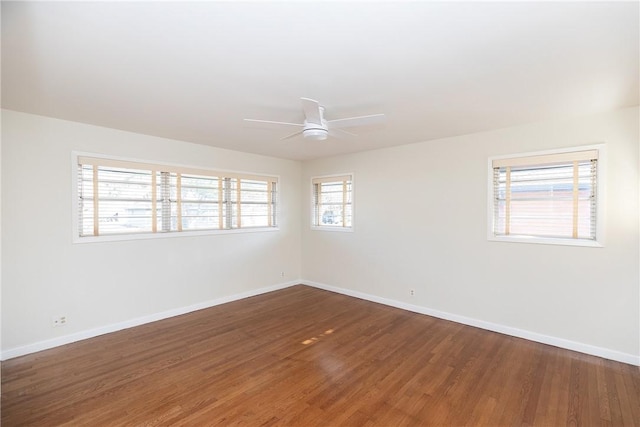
{"x":193,"y":170}
{"x":598,"y":242}
{"x":318,"y":227}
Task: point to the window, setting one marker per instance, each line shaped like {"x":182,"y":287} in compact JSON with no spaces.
{"x":546,"y":197}
{"x":332,"y":202}
{"x":117,"y":197}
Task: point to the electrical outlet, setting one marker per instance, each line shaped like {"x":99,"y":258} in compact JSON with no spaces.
{"x":282,"y":273}
{"x":412,"y":292}
{"x":59,"y":320}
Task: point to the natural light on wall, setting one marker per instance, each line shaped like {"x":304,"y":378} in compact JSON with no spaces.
{"x":550,"y":197}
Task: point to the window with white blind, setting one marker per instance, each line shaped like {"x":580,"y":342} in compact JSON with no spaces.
{"x":333,"y":202}
{"x":116,"y":197}
{"x":550,"y":197}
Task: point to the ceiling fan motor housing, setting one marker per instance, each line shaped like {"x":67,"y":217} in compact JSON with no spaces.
{"x":315,"y":131}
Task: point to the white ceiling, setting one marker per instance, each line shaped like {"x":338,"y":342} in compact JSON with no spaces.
{"x":193,"y":70}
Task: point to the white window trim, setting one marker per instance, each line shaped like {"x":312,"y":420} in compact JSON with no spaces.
{"x":600,"y":203}
{"x":75,"y":226}
{"x":353,"y":205}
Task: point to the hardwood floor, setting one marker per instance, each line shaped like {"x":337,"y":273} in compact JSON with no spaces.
{"x":307,"y":357}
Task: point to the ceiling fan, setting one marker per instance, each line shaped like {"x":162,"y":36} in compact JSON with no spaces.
{"x":316,"y":127}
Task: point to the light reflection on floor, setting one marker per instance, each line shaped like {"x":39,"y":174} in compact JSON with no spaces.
{"x":317,"y":338}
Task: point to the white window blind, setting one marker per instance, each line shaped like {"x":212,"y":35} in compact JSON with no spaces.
{"x":546,"y":196}
{"x":120,"y":197}
{"x":332,"y":201}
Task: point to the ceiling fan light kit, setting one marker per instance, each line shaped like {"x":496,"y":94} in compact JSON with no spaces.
{"x":316,"y":128}
{"x":316,"y":134}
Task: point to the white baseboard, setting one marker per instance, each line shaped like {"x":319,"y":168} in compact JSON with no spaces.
{"x":507,"y":330}
{"x":82,"y":335}
{"x":494,"y":327}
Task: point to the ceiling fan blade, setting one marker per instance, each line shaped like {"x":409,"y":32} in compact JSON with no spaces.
{"x":292,"y":135}
{"x":356,"y":121}
{"x":272,"y":123}
{"x":339,"y":133}
{"x":311,"y":111}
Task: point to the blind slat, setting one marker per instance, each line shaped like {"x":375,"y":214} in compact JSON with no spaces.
{"x":327,"y":179}
{"x":546,"y":159}
{"x":125,"y":164}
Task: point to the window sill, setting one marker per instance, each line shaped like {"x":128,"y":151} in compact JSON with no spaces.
{"x":547,"y":241}
{"x":145,"y":236}
{"x":326,"y":228}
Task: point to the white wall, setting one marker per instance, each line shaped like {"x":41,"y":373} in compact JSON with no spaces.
{"x":0,"y":239}
{"x":421,"y":222}
{"x":111,"y":283}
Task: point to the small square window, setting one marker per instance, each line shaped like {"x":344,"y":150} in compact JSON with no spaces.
{"x":333,"y":202}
